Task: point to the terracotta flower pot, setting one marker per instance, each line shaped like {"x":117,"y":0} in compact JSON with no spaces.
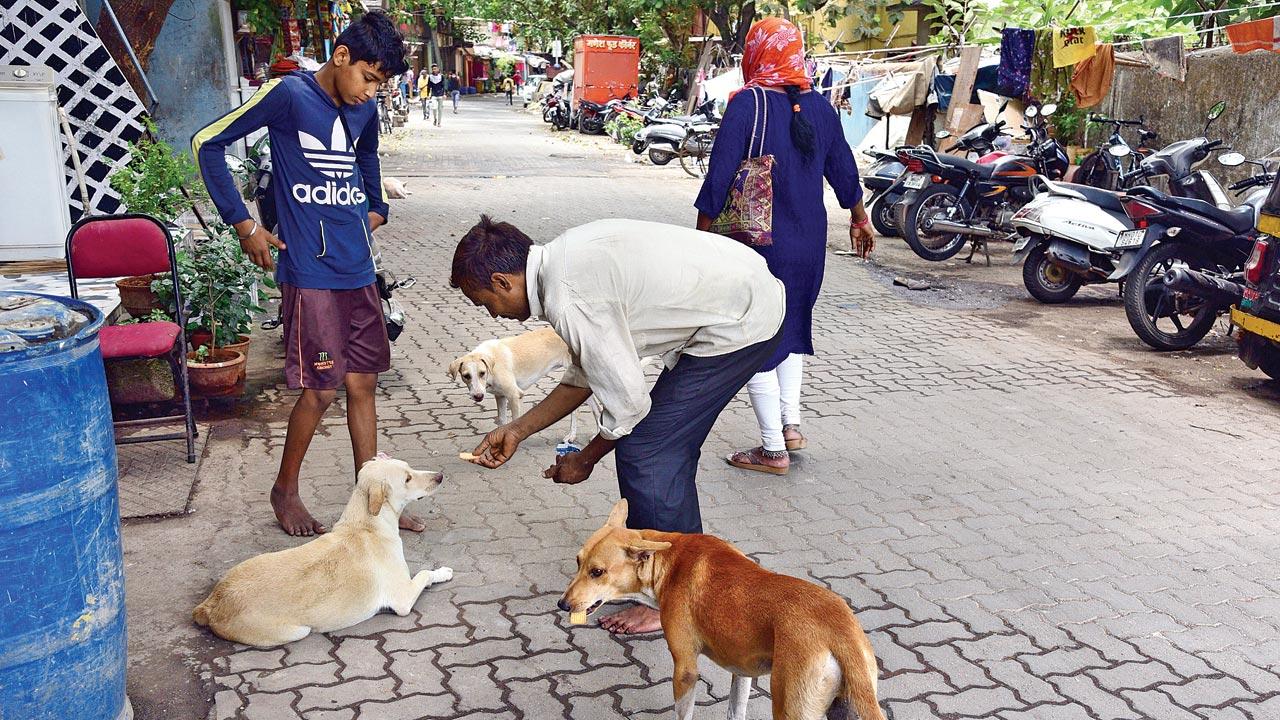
{"x":220,"y":373}
{"x":203,"y":337}
{"x":136,"y":296}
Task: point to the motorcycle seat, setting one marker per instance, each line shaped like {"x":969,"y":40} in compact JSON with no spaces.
{"x":1238,"y":219}
{"x":981,"y":171}
{"x":1102,"y":198}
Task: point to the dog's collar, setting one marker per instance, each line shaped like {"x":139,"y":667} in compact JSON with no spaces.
{"x":533,"y":288}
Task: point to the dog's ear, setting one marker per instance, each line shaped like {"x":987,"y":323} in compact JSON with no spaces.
{"x":454,"y":368}
{"x":377,"y":496}
{"x":618,"y":515}
{"x":640,"y":550}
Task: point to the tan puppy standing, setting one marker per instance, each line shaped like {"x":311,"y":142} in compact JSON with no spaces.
{"x":508,"y":367}
{"x":717,"y":602}
{"x":341,"y":578}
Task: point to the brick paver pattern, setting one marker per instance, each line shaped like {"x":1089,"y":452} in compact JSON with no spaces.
{"x":1025,"y":530}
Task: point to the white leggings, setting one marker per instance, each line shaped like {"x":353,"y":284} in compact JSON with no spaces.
{"x":775,"y":396}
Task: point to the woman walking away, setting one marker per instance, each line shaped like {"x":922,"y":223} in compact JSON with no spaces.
{"x":800,"y":129}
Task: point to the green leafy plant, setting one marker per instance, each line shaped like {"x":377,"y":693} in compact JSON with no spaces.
{"x":202,"y":353}
{"x":1069,"y":121}
{"x":151,"y":183}
{"x":217,"y":282}
{"x":623,"y":128}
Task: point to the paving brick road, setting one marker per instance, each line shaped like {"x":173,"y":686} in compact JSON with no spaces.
{"x":1025,"y":528}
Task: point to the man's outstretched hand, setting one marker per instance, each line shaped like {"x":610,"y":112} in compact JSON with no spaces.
{"x":497,"y":447}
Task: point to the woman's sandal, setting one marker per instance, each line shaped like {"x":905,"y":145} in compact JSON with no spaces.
{"x":794,"y":443}
{"x":754,"y":459}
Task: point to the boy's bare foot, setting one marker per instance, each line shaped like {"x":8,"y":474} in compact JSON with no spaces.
{"x":633,"y":621}
{"x":293,"y":515}
{"x":411,"y":522}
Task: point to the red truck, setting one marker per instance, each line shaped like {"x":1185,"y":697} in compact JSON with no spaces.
{"x":605,"y":67}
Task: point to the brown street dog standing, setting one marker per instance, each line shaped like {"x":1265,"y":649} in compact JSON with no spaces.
{"x":337,"y":580}
{"x":717,"y":602}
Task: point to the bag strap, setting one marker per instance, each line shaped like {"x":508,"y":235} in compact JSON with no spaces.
{"x":759,"y":120}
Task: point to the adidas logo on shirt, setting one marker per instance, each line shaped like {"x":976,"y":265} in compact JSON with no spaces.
{"x":336,"y":160}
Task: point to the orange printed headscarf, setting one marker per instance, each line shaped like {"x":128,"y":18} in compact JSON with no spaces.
{"x":773,"y":55}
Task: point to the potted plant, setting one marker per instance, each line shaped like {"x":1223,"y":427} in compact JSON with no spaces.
{"x":151,"y":184}
{"x":219,"y":294}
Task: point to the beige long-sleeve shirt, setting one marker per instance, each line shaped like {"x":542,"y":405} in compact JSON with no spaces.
{"x":619,"y":290}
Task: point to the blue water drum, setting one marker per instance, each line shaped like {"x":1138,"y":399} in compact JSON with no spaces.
{"x":62,"y":612}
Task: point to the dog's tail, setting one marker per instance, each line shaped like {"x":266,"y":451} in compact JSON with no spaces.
{"x":200,"y":615}
{"x":859,"y":674}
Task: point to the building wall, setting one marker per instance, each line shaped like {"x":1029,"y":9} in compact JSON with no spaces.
{"x":1177,"y":110}
{"x":188,"y":68}
{"x":815,"y":24}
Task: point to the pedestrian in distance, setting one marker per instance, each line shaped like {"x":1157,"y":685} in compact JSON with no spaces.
{"x":424,"y":94}
{"x":406,"y":81}
{"x":455,"y":90}
{"x":436,"y":88}
{"x":609,"y":290}
{"x":328,"y":188}
{"x":509,"y":87}
{"x":779,"y":114}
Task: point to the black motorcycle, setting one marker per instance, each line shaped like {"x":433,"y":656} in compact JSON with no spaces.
{"x":884,"y":192}
{"x":1111,"y":165}
{"x":950,"y":200}
{"x":1191,"y":262}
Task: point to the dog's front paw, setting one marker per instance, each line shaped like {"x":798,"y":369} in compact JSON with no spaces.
{"x":443,"y":574}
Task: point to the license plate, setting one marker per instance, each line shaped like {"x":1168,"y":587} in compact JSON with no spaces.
{"x":1130,"y":238}
{"x":915,"y":181}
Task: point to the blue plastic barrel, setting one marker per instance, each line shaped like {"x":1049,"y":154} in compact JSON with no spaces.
{"x":62,"y":612}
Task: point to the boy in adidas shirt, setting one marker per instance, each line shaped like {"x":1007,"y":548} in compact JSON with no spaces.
{"x":328,"y":192}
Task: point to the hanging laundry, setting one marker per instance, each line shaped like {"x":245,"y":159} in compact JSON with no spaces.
{"x":1071,"y":45}
{"x":903,"y":92}
{"x":1016,"y":48}
{"x":1092,"y":79}
{"x":1167,"y":56}
{"x":1257,"y":35}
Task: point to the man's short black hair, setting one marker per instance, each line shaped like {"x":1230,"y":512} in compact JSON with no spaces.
{"x":489,"y":247}
{"x":375,"y":40}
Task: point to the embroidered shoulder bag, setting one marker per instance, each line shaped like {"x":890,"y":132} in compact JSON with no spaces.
{"x":748,"y":213}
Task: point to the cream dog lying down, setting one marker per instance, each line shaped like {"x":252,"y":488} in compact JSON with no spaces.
{"x":339,"y":579}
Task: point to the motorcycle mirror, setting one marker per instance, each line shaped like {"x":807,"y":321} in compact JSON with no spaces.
{"x":1119,"y":150}
{"x":1231,"y":159}
{"x":941,"y":134}
{"x":1032,"y":111}
{"x":1216,"y":111}
{"x":1049,"y":109}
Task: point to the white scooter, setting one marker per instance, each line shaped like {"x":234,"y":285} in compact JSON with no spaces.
{"x":1074,"y":235}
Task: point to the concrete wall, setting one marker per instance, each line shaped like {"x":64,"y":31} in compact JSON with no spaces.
{"x":1176,"y":110}
{"x":188,"y":68}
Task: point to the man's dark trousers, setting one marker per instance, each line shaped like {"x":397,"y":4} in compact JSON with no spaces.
{"x":658,"y":462}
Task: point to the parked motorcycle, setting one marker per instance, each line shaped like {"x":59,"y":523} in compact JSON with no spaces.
{"x":1258,"y":312}
{"x":1074,"y":234}
{"x":1191,"y":261}
{"x":1114,"y":159}
{"x":664,"y":138}
{"x":950,"y":201}
{"x":884,"y":191}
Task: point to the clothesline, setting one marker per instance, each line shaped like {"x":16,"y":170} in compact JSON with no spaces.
{"x":1114,"y":23}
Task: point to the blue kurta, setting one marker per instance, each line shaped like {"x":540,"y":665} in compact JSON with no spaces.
{"x":798,"y":253}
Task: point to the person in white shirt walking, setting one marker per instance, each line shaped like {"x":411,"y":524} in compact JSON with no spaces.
{"x":616,"y":291}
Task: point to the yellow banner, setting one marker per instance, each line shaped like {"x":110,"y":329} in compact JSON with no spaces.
{"x":1071,"y":45}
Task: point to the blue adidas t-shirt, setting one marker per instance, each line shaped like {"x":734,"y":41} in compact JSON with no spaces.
{"x":325,"y":175}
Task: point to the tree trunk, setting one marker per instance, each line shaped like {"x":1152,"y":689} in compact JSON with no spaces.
{"x":142,"y":21}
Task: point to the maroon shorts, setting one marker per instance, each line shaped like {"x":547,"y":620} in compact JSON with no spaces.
{"x":329,"y":333}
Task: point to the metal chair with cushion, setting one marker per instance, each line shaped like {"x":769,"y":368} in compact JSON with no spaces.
{"x":119,"y":245}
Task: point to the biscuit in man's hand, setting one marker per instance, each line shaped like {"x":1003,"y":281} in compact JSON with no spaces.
{"x":468,"y":457}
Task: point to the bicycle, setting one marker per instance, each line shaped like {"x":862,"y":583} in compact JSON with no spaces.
{"x":695,"y":152}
